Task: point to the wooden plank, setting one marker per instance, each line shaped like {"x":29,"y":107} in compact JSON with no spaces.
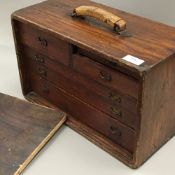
{"x":25,"y":128}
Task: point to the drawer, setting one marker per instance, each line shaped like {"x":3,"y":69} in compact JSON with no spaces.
{"x":116,"y":106}
{"x":111,"y":95}
{"x":88,"y":115}
{"x":106,"y":76}
{"x":44,"y":43}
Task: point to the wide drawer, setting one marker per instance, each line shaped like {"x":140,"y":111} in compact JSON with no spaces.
{"x":45,"y":43}
{"x":106,"y":76}
{"x":116,"y":105}
{"x":88,"y":115}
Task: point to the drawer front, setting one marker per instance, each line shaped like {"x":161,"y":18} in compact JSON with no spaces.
{"x":44,"y":43}
{"x":106,"y":76}
{"x":114,"y":106}
{"x":88,"y":115}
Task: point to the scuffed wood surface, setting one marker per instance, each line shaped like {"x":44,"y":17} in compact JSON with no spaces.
{"x":24,"y":129}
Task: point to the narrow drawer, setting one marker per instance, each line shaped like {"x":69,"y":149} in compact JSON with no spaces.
{"x":106,"y":76}
{"x":88,"y":115}
{"x":44,"y":43}
{"x":116,"y":106}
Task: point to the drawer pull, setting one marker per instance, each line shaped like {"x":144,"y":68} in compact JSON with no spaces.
{"x":115,"y":131}
{"x":39,"y":59}
{"x":116,"y":112}
{"x":42,"y":41}
{"x":42,"y":72}
{"x":105,"y":76}
{"x":115,"y":98}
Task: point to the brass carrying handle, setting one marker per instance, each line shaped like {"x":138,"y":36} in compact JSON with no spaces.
{"x":116,"y":22}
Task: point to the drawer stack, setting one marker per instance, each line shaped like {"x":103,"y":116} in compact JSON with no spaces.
{"x":98,"y":96}
{"x":118,"y":89}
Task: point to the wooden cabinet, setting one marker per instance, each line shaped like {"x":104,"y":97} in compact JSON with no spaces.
{"x":79,"y":65}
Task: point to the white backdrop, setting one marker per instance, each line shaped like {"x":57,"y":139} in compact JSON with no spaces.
{"x":69,"y":153}
{"x":159,"y":10}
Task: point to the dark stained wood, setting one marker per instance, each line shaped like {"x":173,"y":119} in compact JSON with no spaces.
{"x":88,"y":46}
{"x":24,"y":130}
{"x":101,"y":90}
{"x":44,"y":43}
{"x":89,"y":133}
{"x":106,"y":76}
{"x":126,"y":107}
{"x":151,"y":41}
{"x":95,"y":119}
{"x":158,"y":111}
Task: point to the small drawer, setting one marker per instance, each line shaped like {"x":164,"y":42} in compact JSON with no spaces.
{"x":99,"y":121}
{"x":130,"y":118}
{"x":106,"y":76}
{"x":44,"y":43}
{"x":117,"y":106}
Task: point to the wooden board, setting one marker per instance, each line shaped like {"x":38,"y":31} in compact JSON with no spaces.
{"x":24,"y":130}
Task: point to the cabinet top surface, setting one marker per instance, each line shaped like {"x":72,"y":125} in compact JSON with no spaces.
{"x":151,"y":41}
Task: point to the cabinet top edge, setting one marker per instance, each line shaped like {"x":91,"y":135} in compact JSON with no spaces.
{"x":149,"y":41}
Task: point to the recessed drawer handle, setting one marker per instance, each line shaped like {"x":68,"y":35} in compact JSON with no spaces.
{"x":116,"y":112}
{"x":39,"y":59}
{"x":105,"y":76}
{"x":115,"y":131}
{"x":42,"y":72}
{"x":115,"y":98}
{"x":42,"y":41}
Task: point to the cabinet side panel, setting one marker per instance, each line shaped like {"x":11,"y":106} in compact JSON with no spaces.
{"x":158,"y":109}
{"x":23,"y":71}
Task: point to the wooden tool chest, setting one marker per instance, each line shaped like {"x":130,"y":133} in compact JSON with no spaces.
{"x":116,"y":86}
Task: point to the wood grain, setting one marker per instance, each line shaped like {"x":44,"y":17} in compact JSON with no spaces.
{"x":157,"y":112}
{"x":106,"y":76}
{"x":25,"y":129}
{"x":71,"y":75}
{"x":151,"y":41}
{"x":101,"y":122}
{"x":45,"y":43}
{"x":85,"y":90}
{"x":93,"y":136}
